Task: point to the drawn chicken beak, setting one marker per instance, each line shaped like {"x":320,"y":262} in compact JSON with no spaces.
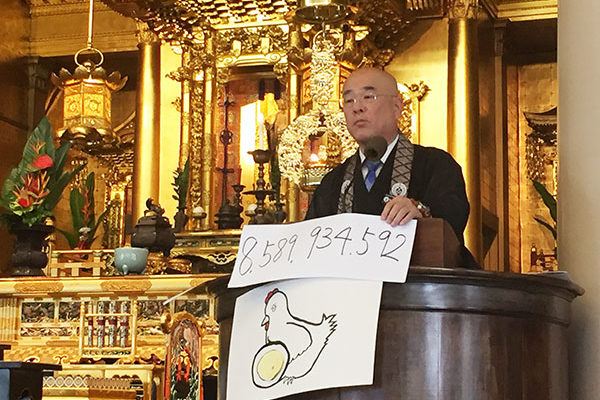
{"x":265,"y":322}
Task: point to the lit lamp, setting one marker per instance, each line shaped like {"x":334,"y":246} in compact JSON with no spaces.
{"x":316,"y":166}
{"x":87,"y":121}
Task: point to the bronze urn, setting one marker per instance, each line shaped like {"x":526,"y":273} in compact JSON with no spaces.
{"x":153,"y":231}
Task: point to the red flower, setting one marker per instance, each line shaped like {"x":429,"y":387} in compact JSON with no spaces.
{"x":24,"y":202}
{"x":23,"y":199}
{"x":42,"y":162}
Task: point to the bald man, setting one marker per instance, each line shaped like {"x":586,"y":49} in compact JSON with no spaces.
{"x":406,"y":181}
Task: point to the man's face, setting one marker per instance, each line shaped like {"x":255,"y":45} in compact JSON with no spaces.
{"x":371,"y":105}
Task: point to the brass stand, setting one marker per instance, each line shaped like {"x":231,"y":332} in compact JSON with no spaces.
{"x":261,"y":216}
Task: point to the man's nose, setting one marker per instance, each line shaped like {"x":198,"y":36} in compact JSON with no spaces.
{"x":358,"y":108}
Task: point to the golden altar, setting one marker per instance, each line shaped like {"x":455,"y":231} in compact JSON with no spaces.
{"x":40,"y":319}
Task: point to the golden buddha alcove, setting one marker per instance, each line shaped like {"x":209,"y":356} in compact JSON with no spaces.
{"x":197,"y":69}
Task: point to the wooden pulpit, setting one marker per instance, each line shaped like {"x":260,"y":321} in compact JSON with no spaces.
{"x":435,"y":245}
{"x":451,"y":333}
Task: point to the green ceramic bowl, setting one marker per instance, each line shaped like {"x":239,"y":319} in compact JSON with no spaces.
{"x":131,"y":259}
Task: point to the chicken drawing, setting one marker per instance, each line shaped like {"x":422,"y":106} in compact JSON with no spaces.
{"x":304,"y":340}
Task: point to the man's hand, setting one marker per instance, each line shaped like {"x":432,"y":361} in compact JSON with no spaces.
{"x":399,"y":210}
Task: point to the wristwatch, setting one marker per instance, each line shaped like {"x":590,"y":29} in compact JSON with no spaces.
{"x":423,"y":209}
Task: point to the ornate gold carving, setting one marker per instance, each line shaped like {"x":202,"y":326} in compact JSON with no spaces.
{"x":463,"y":9}
{"x":196,"y":128}
{"x":219,"y":247}
{"x":61,"y":7}
{"x":157,"y":264}
{"x":56,"y":331}
{"x":535,"y":158}
{"x":126,"y":286}
{"x":352,"y":51}
{"x":200,"y":59}
{"x":282,"y":71}
{"x":181,"y":74}
{"x":297,"y":54}
{"x":387,"y":24}
{"x":411,"y":95}
{"x":323,"y":69}
{"x":221,"y":257}
{"x":144,"y":34}
{"x":39,"y":287}
{"x":259,"y":27}
{"x":541,"y":145}
{"x":251,"y":40}
{"x":223,"y":75}
{"x":296,"y":135}
{"x":181,"y":19}
{"x":181,"y":265}
{"x":207,"y":160}
{"x":117,"y":178}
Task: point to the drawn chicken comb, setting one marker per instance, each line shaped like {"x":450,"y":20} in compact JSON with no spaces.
{"x":270,"y":294}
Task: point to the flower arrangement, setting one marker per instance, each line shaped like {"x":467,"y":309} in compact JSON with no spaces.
{"x":550,"y":203}
{"x":180,"y":184}
{"x":35,"y":186}
{"x":83,"y":216}
{"x":181,"y":180}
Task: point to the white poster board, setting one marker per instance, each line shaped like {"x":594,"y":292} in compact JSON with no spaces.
{"x":302,"y":335}
{"x":355,"y":246}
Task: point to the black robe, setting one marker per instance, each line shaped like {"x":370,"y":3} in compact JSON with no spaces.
{"x":436,"y":180}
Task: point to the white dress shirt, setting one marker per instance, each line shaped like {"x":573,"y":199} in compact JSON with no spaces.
{"x":383,"y":159}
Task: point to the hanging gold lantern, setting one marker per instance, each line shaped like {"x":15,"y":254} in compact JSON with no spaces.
{"x":87,"y":121}
{"x":323,"y":129}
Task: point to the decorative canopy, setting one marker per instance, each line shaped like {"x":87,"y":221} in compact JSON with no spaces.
{"x":183,"y":20}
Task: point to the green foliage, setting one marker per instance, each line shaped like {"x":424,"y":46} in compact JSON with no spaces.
{"x":550,"y":203}
{"x":83,"y":215}
{"x":180,"y":184}
{"x":275,"y":176}
{"x":275,"y":171}
{"x":35,"y":185}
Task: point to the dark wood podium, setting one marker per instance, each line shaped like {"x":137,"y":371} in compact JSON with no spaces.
{"x":453,"y":333}
{"x":23,"y":380}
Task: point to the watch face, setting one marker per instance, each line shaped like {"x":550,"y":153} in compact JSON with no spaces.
{"x":423,"y":209}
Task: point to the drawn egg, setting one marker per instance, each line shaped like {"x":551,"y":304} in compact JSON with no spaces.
{"x":269,"y":364}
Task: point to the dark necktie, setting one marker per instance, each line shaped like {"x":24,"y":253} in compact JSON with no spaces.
{"x":371,"y":172}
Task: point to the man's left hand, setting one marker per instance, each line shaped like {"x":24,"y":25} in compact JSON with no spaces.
{"x":399,"y":210}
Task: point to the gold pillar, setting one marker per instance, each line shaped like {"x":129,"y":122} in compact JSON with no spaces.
{"x":293,"y":192}
{"x":208,"y":159}
{"x":9,"y":319}
{"x":146,"y":166}
{"x":184,"y":143}
{"x":196,"y":126}
{"x":463,"y":110}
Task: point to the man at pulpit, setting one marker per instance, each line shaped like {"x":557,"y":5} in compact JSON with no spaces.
{"x":390,"y":176}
